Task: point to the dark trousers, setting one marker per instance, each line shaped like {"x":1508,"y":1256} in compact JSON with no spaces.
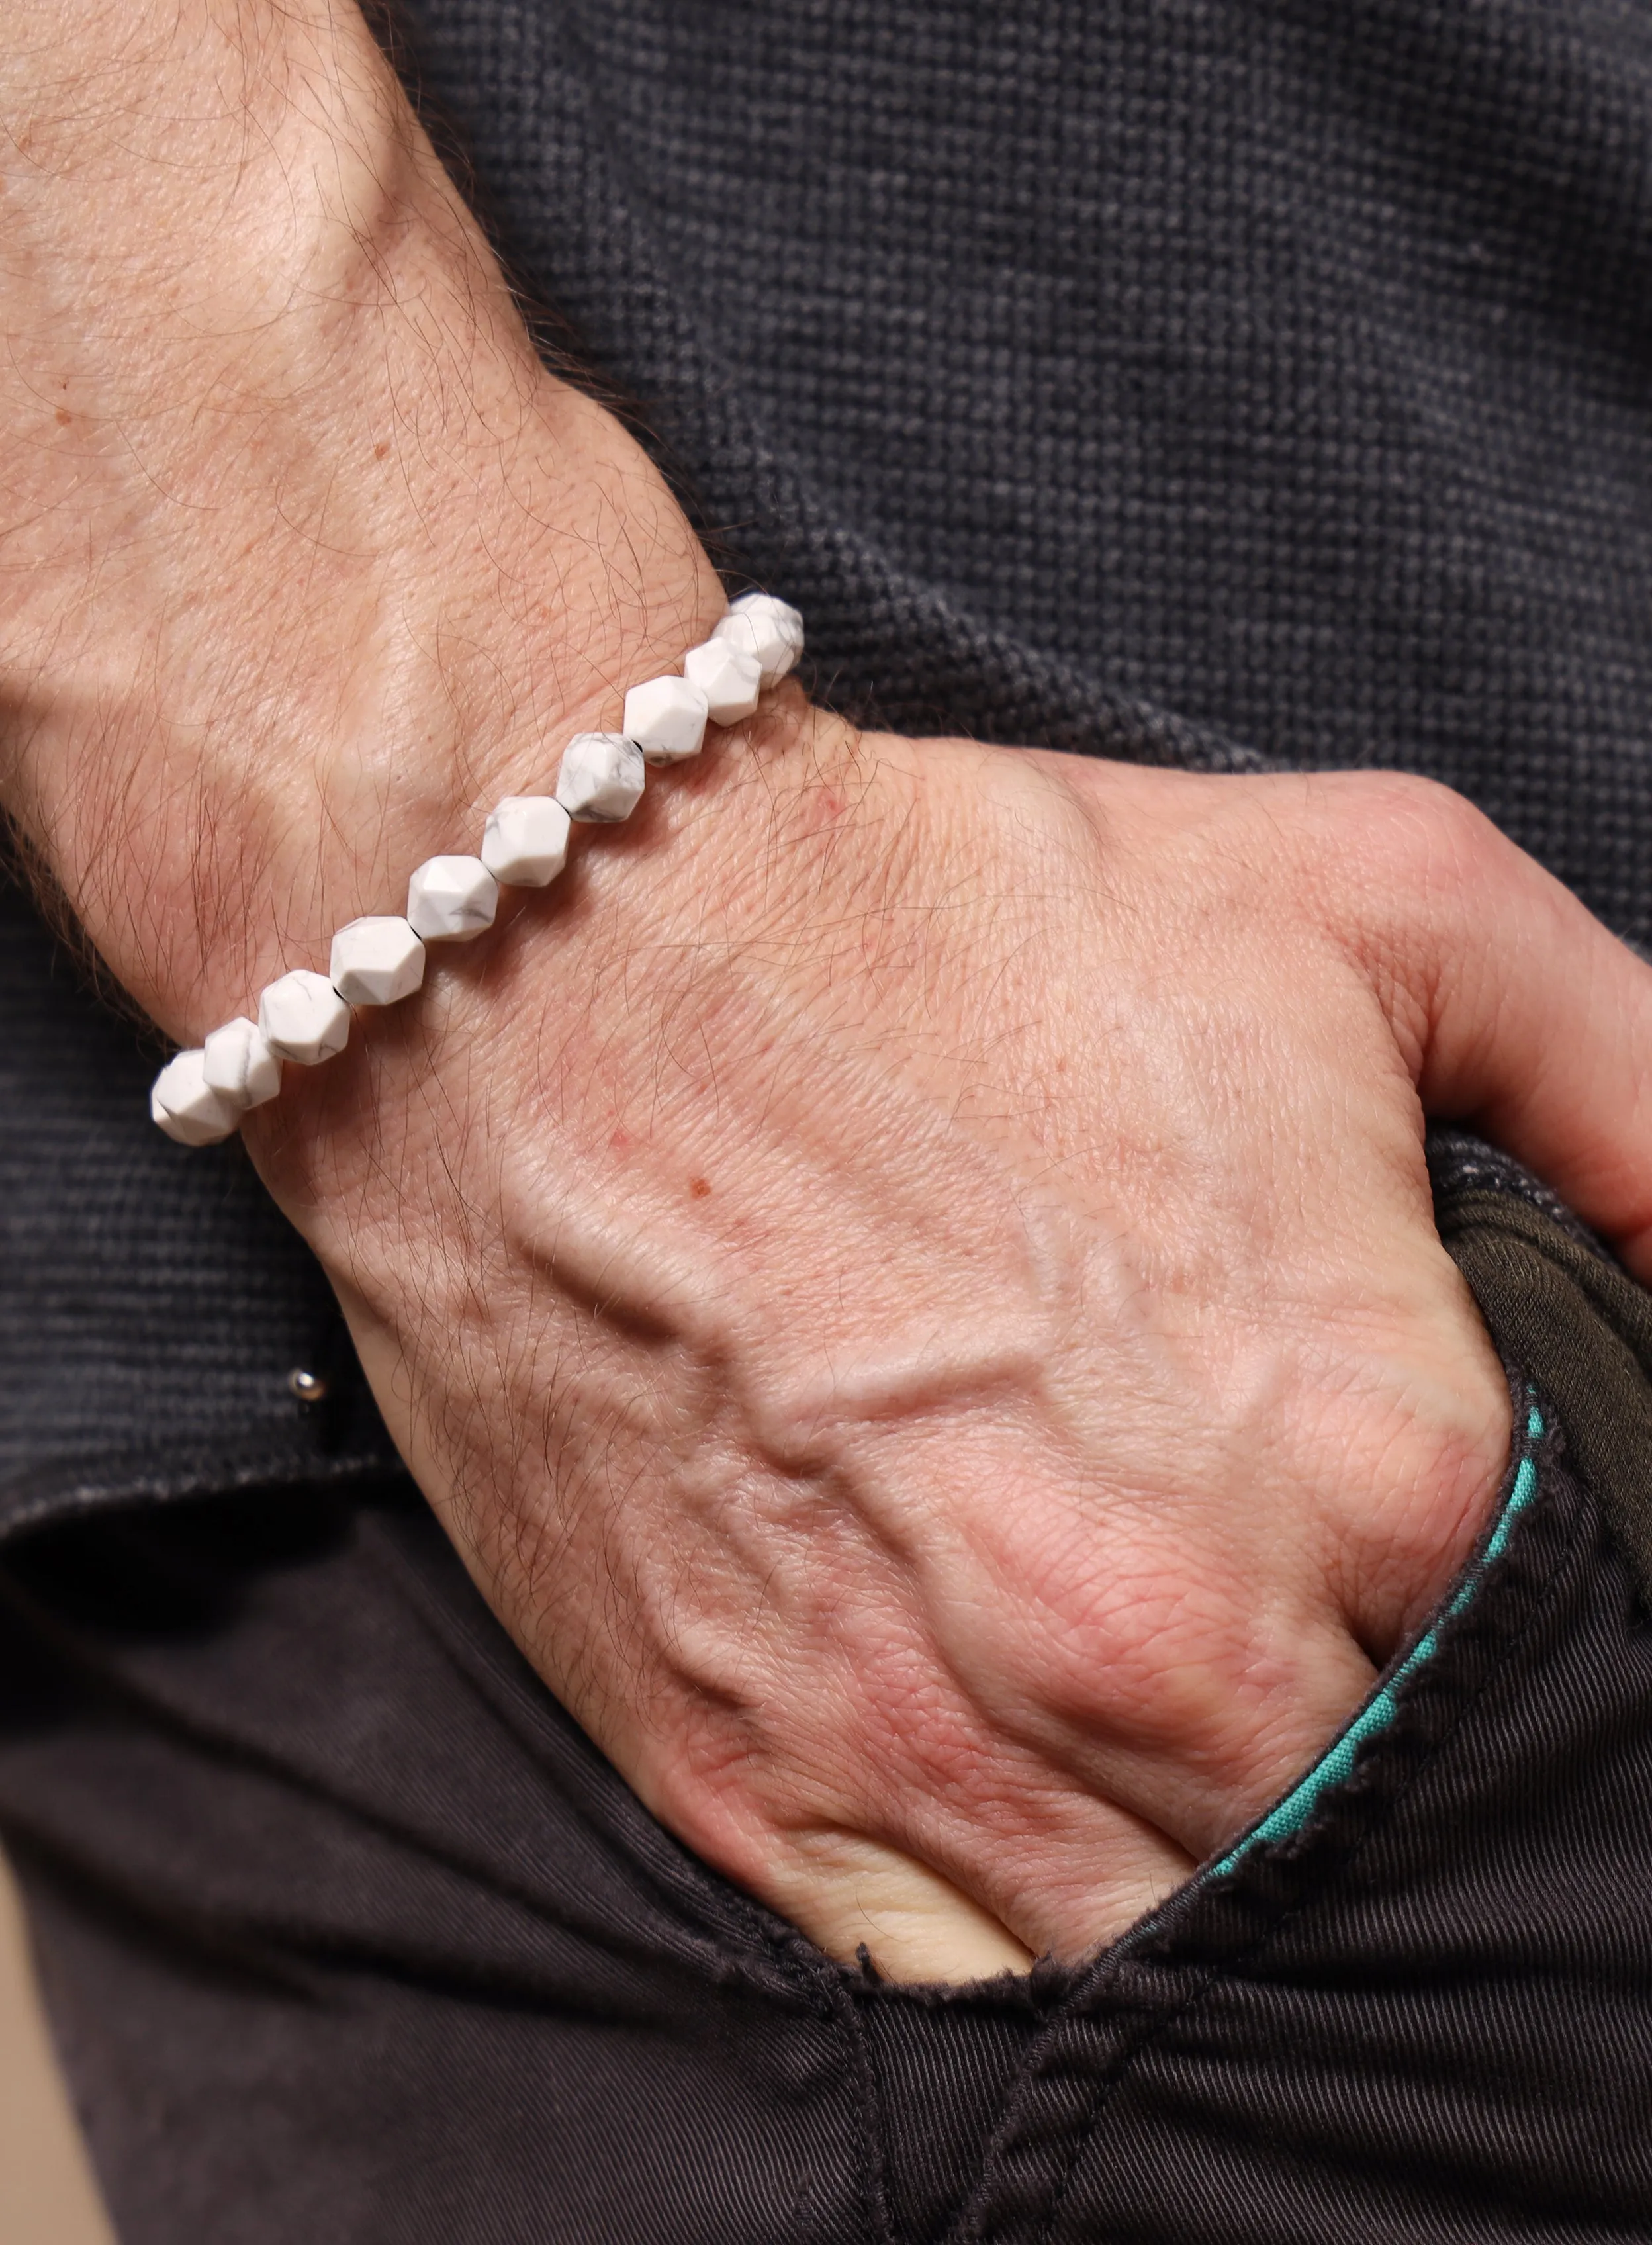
{"x":347,"y":1933}
{"x":1193,"y":380}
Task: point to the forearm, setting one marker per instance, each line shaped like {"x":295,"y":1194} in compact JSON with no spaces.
{"x":307,"y":558}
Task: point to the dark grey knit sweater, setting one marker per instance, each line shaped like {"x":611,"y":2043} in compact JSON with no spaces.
{"x":1195,"y":380}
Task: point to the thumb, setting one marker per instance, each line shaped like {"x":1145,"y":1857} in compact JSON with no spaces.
{"x":1518,"y":1011}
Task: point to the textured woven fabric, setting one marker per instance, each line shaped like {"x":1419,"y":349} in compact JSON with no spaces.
{"x":1198,"y":381}
{"x":1139,"y":377}
{"x":152,"y":1304}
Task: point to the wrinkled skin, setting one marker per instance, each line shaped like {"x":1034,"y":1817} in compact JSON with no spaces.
{"x":908,"y":1276}
{"x":928,"y":1326}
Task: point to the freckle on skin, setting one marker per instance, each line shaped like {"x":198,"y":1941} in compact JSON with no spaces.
{"x":699,"y":1188}
{"x":619,"y":1141}
{"x":381,"y":451}
{"x":63,"y":417}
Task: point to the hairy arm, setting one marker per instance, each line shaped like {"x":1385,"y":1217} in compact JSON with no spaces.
{"x":301,"y":544}
{"x":908,"y":1275}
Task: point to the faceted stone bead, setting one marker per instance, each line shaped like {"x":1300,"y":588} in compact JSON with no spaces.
{"x":526,"y":842}
{"x":376,"y":961}
{"x":451,"y":899}
{"x":186,"y":1107}
{"x":601,"y":778}
{"x":303,"y":1018}
{"x":666,"y":719}
{"x":729,"y":678}
{"x":240,"y":1064}
{"x":769,"y":629}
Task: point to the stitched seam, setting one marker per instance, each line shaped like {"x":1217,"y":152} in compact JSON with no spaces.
{"x":809,"y":1966}
{"x":852,"y":2029}
{"x":1147,"y":2035}
{"x":1380,"y":1710}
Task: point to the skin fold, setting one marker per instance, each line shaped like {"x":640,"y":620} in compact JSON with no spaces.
{"x":908,"y":1275}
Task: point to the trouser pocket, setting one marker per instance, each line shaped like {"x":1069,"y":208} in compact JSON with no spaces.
{"x":1415,"y":2001}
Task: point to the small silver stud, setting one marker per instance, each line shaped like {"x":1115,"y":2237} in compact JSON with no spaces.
{"x":306,"y":1386}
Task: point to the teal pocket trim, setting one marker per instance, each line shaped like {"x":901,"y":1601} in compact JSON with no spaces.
{"x":1336,"y":1763}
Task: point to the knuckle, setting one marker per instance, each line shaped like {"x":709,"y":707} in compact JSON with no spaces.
{"x":1404,"y":842}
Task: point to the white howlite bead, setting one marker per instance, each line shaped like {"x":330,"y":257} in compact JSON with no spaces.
{"x":729,"y":678}
{"x":526,"y":842}
{"x":601,"y":778}
{"x":239,"y":1063}
{"x":769,"y":629}
{"x":186,"y":1107}
{"x":303,"y":1018}
{"x":376,"y":961}
{"x":666,"y":719}
{"x":450,"y":899}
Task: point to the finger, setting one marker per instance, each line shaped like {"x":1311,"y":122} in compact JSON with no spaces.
{"x":1516,"y":1011}
{"x":849,"y":1893}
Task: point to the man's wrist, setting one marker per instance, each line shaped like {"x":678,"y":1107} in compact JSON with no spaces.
{"x":326,"y":561}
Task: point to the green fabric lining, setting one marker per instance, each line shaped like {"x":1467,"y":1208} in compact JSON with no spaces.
{"x":1336,"y":1764}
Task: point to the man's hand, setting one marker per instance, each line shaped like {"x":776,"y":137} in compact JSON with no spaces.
{"x":909,"y":1274}
{"x":912,"y":1283}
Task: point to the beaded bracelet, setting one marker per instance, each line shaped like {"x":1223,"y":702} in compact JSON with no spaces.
{"x":201,"y":1096}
